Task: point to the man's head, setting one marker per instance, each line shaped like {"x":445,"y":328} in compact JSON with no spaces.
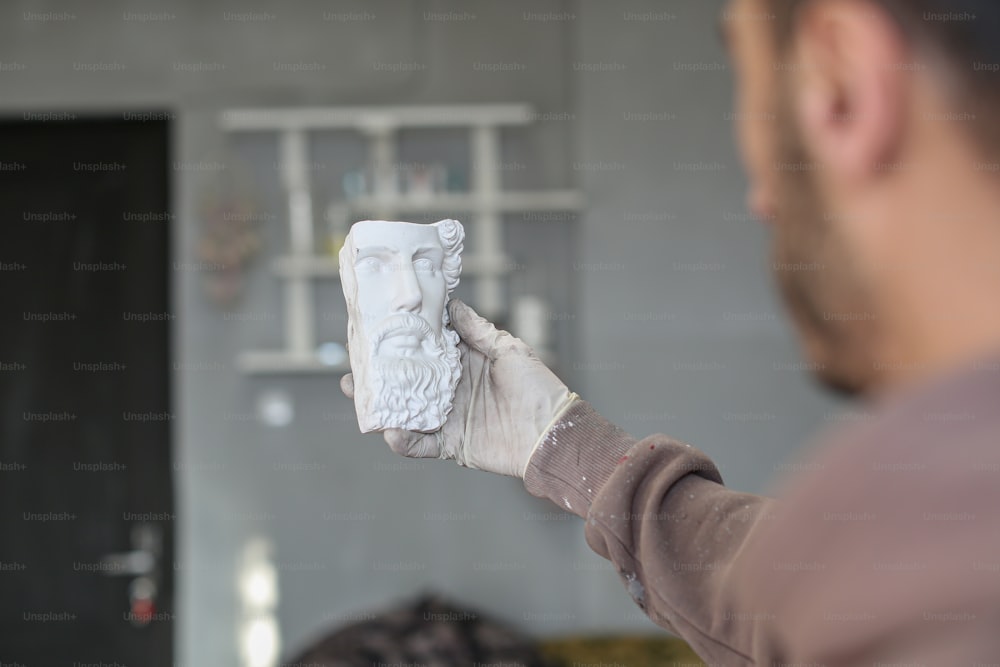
{"x":396,"y":278}
{"x":865,"y":126}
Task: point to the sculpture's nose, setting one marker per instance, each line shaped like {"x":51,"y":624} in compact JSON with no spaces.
{"x":407,"y":296}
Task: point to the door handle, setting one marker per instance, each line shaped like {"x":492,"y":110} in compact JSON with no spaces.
{"x":142,"y":563}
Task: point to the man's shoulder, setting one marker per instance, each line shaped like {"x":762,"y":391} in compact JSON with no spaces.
{"x":941,"y":423}
{"x":933,"y":451}
{"x":893,"y":520}
{"x":936,"y":422}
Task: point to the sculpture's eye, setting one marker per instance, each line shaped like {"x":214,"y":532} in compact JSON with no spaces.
{"x":423,"y":264}
{"x":369,"y":264}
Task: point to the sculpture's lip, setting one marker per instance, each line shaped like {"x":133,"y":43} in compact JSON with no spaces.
{"x":403,"y":325}
{"x":403,"y":331}
{"x":411,"y":338}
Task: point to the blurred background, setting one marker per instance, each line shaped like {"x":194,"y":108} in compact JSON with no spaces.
{"x":181,"y":475}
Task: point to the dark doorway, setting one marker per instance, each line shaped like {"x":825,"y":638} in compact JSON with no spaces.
{"x":86,"y":496}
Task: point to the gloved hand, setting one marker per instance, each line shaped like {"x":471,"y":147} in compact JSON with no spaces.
{"x":505,"y":402}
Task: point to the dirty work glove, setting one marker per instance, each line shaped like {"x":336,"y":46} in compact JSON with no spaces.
{"x":505,"y":402}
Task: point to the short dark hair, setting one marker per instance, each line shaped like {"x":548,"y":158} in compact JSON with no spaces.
{"x":964,"y":35}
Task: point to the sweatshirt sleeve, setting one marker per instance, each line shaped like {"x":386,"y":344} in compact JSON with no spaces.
{"x":657,"y":509}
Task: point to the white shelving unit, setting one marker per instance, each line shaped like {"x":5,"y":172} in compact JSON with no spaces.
{"x":482,"y":207}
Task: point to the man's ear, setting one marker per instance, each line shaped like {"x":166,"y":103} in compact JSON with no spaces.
{"x":851,"y":85}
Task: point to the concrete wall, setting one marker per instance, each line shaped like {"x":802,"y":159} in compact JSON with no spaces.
{"x":661,"y":296}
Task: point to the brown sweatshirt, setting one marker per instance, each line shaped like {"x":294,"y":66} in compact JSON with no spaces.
{"x":883,"y":551}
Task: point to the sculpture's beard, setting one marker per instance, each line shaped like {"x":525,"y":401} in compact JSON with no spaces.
{"x":414,"y":393}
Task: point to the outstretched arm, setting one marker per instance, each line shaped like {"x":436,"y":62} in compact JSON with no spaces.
{"x":657,"y":509}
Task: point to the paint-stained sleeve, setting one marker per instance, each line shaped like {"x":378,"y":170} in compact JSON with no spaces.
{"x":657,"y":509}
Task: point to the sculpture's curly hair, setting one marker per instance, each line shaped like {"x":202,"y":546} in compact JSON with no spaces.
{"x":452,"y":237}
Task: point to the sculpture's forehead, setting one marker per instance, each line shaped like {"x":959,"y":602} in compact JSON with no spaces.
{"x":395,"y":235}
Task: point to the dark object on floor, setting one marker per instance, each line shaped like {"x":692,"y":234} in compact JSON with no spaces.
{"x":429,"y":631}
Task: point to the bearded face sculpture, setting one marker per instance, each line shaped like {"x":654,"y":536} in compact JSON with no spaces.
{"x":396,"y":278}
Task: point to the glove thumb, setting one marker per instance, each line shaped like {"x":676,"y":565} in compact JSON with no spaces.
{"x":477,"y":332}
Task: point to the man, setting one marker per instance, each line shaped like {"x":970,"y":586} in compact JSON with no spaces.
{"x":868,"y":130}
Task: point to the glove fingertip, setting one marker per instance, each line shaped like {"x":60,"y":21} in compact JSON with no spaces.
{"x":347,"y":385}
{"x":400,"y":441}
{"x":477,"y":332}
{"x":459,"y":313}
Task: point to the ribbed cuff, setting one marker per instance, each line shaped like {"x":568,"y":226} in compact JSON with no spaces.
{"x":575,"y":458}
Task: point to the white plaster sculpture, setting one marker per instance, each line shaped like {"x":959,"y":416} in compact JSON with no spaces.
{"x":396,"y":278}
